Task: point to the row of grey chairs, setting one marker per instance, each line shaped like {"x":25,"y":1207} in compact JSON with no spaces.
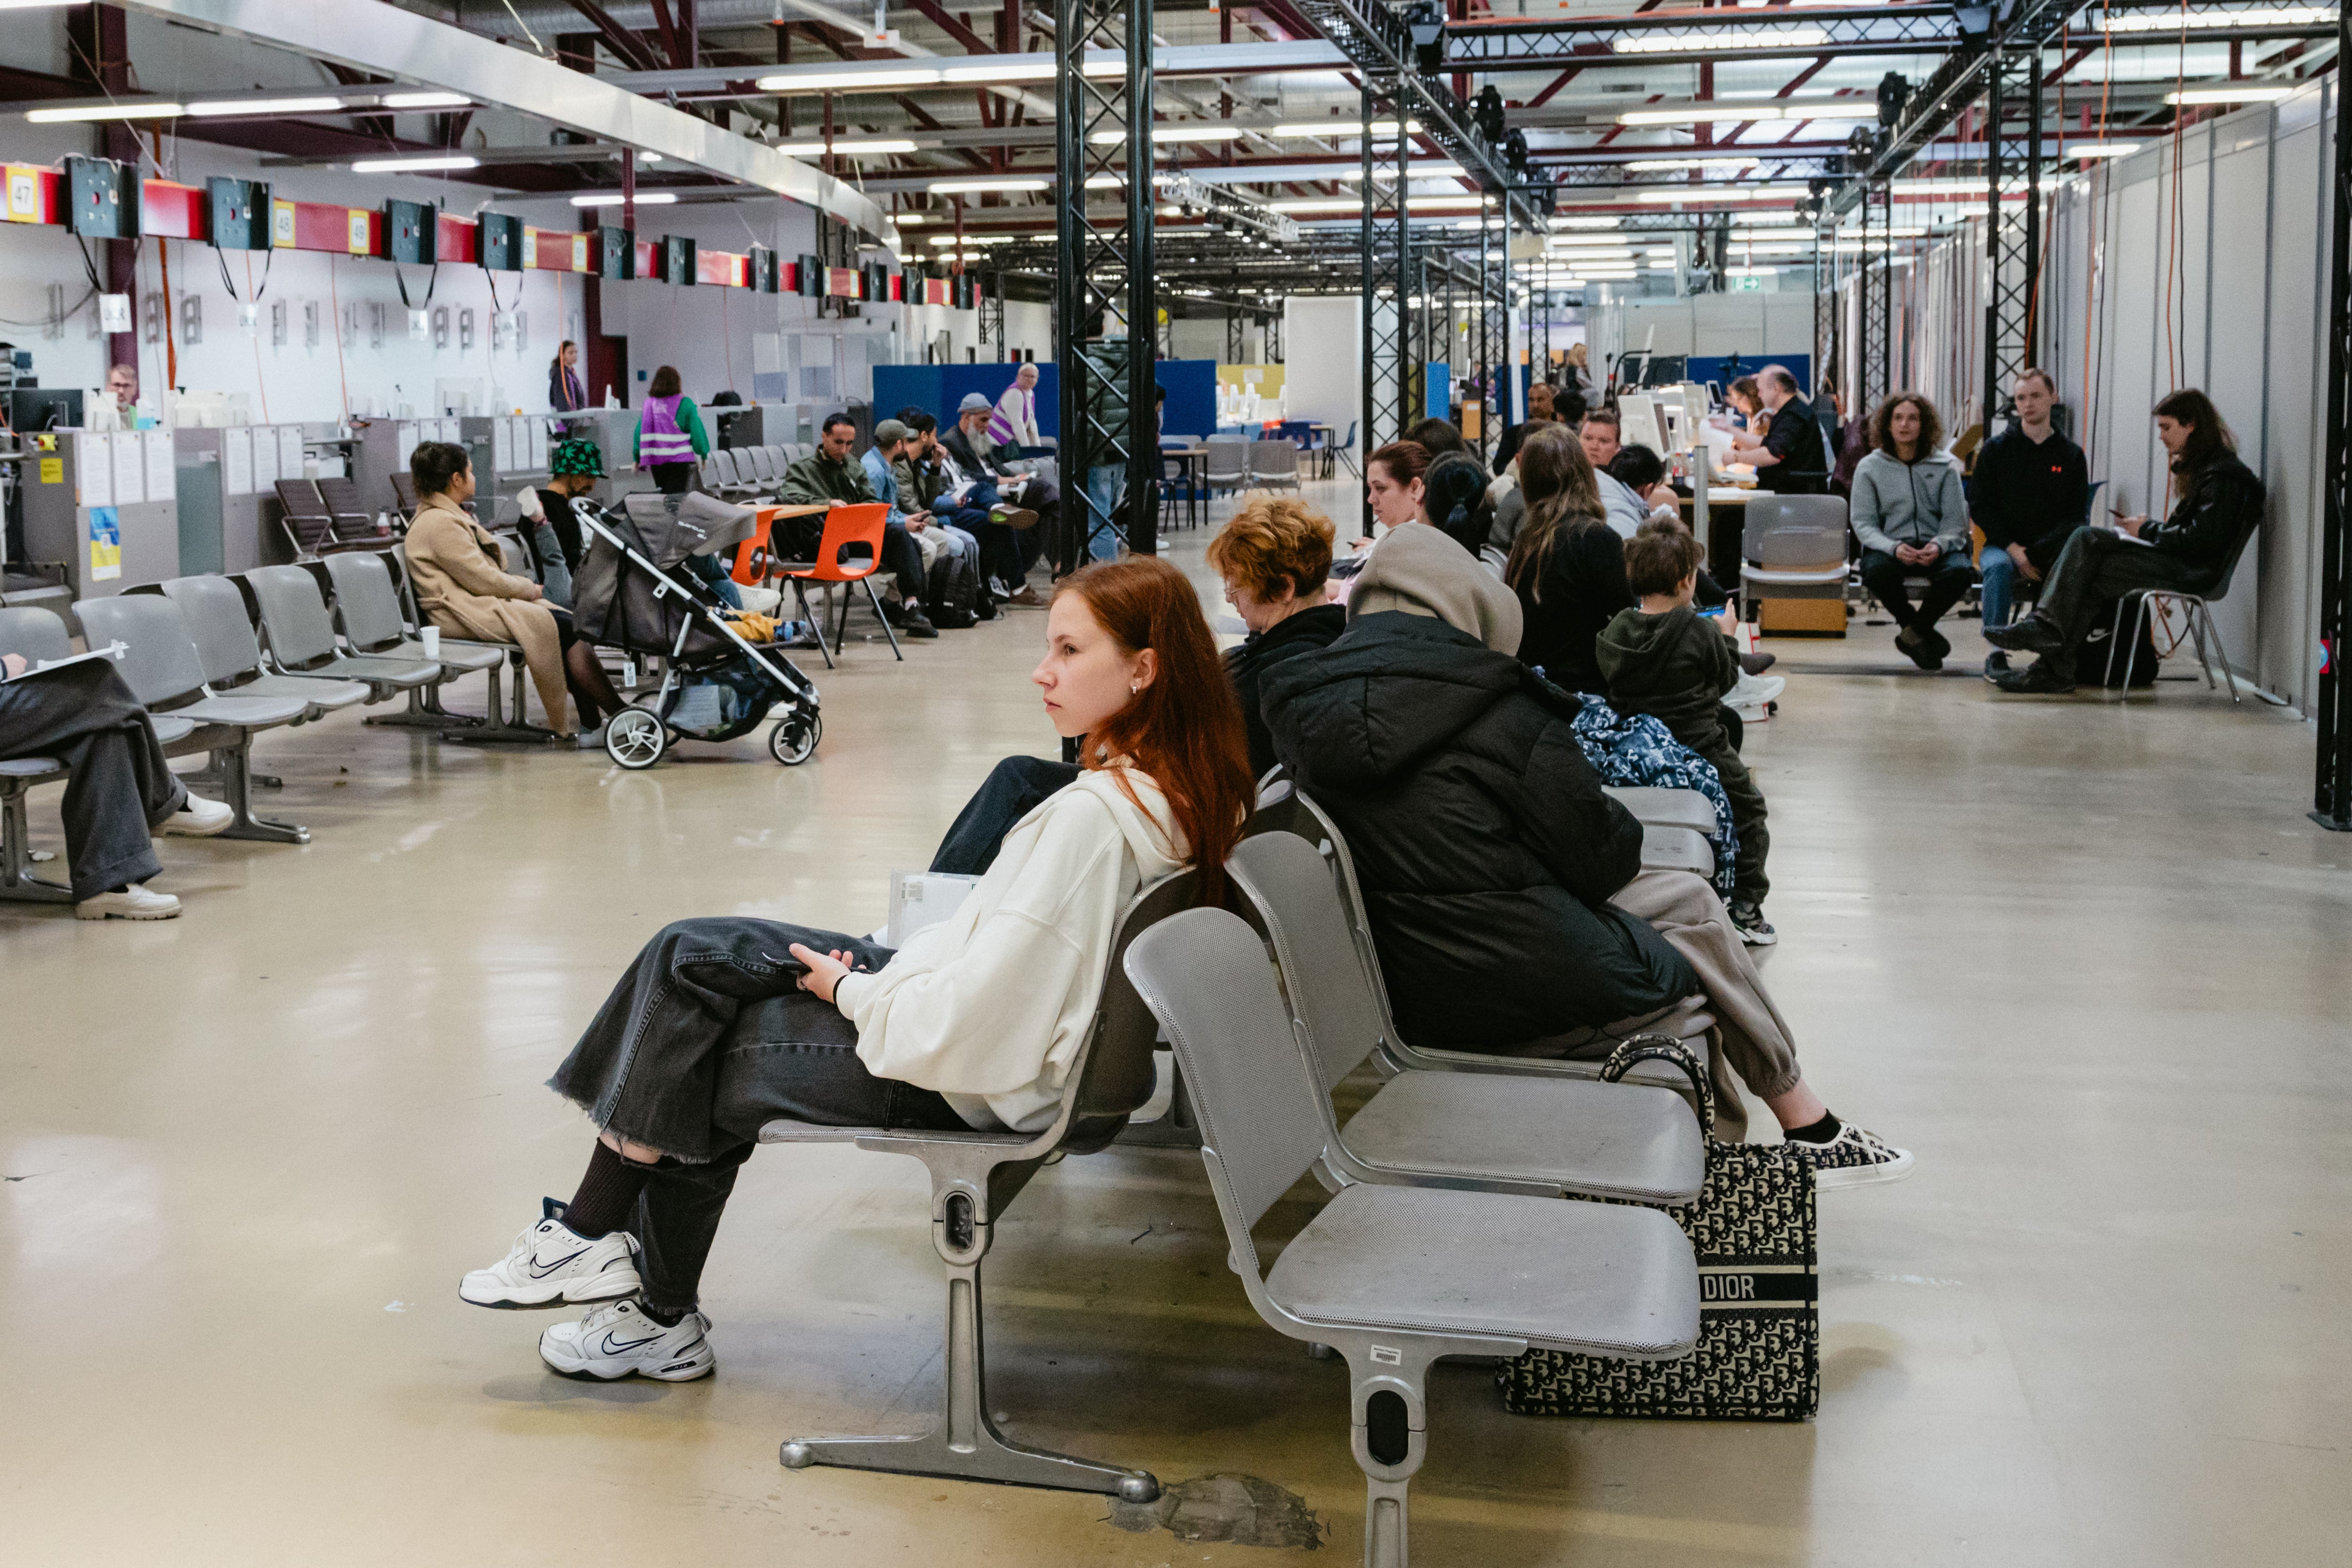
{"x":739,"y":471}
{"x":1445,"y":1233}
{"x":1239,"y":463}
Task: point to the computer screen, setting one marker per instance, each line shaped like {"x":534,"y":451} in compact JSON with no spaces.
{"x":45,"y":408}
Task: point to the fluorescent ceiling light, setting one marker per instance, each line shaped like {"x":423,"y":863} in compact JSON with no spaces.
{"x":267,"y":106}
{"x":418,"y":164}
{"x":613,"y":199}
{"x":1751,"y":271}
{"x":2251,"y":17}
{"x":136,"y":109}
{"x":1662,"y":165}
{"x":2103,"y":148}
{"x":1584,"y":223}
{"x":426,"y":99}
{"x":1011,"y":71}
{"x":974,"y":240}
{"x":35,"y":4}
{"x":977,"y":188}
{"x":1173,"y":133}
{"x":1704,"y":193}
{"x":1707,"y":43}
{"x":851,"y":82}
{"x":878,"y":147}
{"x":2247,"y":93}
{"x":1709,"y":113}
{"x":1342,"y":129}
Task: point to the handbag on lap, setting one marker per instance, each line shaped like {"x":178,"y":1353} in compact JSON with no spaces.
{"x":1758,"y":1356}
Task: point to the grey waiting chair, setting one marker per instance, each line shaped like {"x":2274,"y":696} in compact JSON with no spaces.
{"x":1793,"y":547}
{"x":31,"y":634}
{"x":1678,"y":828}
{"x":223,"y":630}
{"x":974,"y":1175}
{"x":300,"y":636}
{"x":164,"y":671}
{"x":367,"y":606}
{"x":1392,"y":1277}
{"x":1543,"y":1137}
{"x":2202,"y":631}
{"x":1273,"y":465}
{"x":1226,"y":466}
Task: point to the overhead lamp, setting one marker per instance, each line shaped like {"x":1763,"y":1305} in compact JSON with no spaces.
{"x":613,"y":199}
{"x":2195,"y":21}
{"x":1663,"y":252}
{"x":1738,"y":109}
{"x":1751,"y":272}
{"x":2103,"y":148}
{"x":1011,"y":71}
{"x":37,"y":4}
{"x":1173,"y":133}
{"x":982,"y":187}
{"x":1663,"y":165}
{"x":1584,"y":223}
{"x":851,"y":82}
{"x":131,"y":109}
{"x":1708,"y":43}
{"x":418,"y":165}
{"x":876,"y":147}
{"x":1722,"y":194}
{"x":425,"y":100}
{"x":2245,"y":93}
{"x":974,"y":240}
{"x":1341,"y":128}
{"x":266,"y":106}
{"x":909,"y":220}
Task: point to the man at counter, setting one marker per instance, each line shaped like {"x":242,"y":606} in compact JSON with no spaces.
{"x":1792,"y":459}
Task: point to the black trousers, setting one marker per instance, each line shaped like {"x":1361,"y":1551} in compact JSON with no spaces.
{"x":121,"y":789}
{"x":1947,"y":580}
{"x":672,"y":478}
{"x":2097,"y":566}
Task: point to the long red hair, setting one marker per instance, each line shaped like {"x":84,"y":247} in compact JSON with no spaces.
{"x":1185,"y":728}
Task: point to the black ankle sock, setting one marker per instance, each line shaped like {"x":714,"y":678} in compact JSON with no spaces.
{"x":655,"y":1314}
{"x":608,"y":1191}
{"x":1823,"y":1131}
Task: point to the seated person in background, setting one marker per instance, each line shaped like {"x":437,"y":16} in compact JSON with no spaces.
{"x":574,"y":468}
{"x":723,"y":1024}
{"x":1013,"y":423}
{"x":1540,"y":413}
{"x":1643,"y":472}
{"x":1664,"y":658}
{"x":1912,"y":516}
{"x":1437,"y":437}
{"x":930,"y":534}
{"x":1567,"y":566}
{"x":1274,"y":556}
{"x":1506,"y":891}
{"x":1627,"y":507}
{"x":1453,"y":499}
{"x":925,"y":474}
{"x":2220,"y":503}
{"x":121,"y":791}
{"x":1790,"y":457}
{"x":2032,"y":490}
{"x":1394,"y":480}
{"x":1026,"y":500}
{"x":829,"y":474}
{"x":463,"y":588}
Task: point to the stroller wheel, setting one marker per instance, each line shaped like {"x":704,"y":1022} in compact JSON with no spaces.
{"x":634,"y":739}
{"x":794,"y":739}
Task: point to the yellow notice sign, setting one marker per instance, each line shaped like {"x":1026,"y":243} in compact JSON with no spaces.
{"x":53,"y":471}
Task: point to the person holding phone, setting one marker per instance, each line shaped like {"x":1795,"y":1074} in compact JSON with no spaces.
{"x":2220,"y":503}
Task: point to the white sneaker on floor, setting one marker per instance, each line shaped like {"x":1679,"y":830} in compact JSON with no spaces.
{"x":593,"y":740}
{"x":1854,"y":1158}
{"x":133,"y":903}
{"x":620,"y":1341}
{"x":200,"y":818}
{"x":550,"y":1263}
{"x":1756,"y":690}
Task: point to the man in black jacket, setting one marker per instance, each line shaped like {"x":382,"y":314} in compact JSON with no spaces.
{"x":2221,"y":505}
{"x":1029,"y":499}
{"x":1792,"y":459}
{"x":2030,"y":490}
{"x":1505,"y":889}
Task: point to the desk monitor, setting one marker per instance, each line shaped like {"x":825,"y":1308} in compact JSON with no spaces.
{"x":1638,"y":424}
{"x":45,"y":408}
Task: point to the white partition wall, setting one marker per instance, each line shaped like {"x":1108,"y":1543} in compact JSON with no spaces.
{"x":1323,"y":356}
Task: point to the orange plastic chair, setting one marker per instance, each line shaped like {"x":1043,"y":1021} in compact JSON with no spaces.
{"x":845,"y":526}
{"x":756,"y":562}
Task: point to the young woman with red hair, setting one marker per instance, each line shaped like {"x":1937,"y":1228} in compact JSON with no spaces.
{"x":725,"y":1024}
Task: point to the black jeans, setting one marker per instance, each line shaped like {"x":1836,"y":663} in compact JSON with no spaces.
{"x":1014,"y":788}
{"x":672,"y":478}
{"x":1947,"y":580}
{"x":122,"y":788}
{"x":2096,"y":566}
{"x":706,"y":1039}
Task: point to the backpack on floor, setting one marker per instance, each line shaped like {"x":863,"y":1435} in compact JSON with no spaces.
{"x":1758,"y":1356}
{"x":2092,"y":663}
{"x":951,"y":590}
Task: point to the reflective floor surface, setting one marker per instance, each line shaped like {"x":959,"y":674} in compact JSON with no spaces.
{"x":2088,"y":959}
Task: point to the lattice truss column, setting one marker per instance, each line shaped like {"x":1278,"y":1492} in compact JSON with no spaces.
{"x":1389,"y":357}
{"x":2012,"y":227}
{"x":1107,"y":325}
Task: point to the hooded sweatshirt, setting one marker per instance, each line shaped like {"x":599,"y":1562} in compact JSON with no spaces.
{"x":1485,"y":846}
{"x":1895,"y":502}
{"x":989,"y":1007}
{"x":1675,"y":667}
{"x":1423,"y":571}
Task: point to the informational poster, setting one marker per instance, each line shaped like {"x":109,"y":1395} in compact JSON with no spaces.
{"x":404,"y":443}
{"x":265,"y":459}
{"x":503,"y":445}
{"x":53,"y":471}
{"x":129,"y":469}
{"x":290,"y":451}
{"x":105,"y":544}
{"x":94,"y":465}
{"x":237,"y":460}
{"x":537,"y":444}
{"x":163,"y":479}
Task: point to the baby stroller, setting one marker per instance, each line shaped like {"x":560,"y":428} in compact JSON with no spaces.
{"x":716,"y":684}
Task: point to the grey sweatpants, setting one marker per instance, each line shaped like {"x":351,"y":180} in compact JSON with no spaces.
{"x":121,"y":789}
{"x":1755,"y":1039}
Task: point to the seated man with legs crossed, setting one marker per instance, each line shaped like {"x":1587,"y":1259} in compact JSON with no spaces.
{"x":2033,"y":491}
{"x":932,"y":535}
{"x":832,"y":475}
{"x":1014,"y":497}
{"x":927,"y":478}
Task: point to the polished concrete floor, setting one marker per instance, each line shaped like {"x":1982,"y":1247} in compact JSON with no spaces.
{"x":2087,"y":959}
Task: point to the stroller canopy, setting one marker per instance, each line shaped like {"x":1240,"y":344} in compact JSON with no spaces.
{"x":669,"y":528}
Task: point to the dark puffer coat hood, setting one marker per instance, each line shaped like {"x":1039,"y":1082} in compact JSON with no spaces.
{"x":1486,"y":850}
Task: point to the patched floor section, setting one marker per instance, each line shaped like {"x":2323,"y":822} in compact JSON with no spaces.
{"x":1242,"y":1510}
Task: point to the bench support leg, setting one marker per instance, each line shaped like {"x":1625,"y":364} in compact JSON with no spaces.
{"x":497,"y":728}
{"x":966,"y":1444}
{"x":18,"y":883}
{"x":233,"y":765}
{"x":425,"y":711}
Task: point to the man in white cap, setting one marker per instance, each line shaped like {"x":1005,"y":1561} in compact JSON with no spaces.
{"x":1016,"y":500}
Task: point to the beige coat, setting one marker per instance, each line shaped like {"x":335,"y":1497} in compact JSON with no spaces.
{"x":462,"y":584}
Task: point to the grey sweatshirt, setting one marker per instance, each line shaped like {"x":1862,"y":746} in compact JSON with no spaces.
{"x":1910,"y":503}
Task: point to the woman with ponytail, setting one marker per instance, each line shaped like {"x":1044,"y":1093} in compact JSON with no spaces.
{"x":725,"y":1024}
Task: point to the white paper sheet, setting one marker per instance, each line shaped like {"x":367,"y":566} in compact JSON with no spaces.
{"x":537,"y":445}
{"x":503,"y":445}
{"x":161,"y":481}
{"x":237,"y":460}
{"x":265,"y":459}
{"x":94,"y":459}
{"x":405,"y":445}
{"x":290,"y":451}
{"x":129,"y":469}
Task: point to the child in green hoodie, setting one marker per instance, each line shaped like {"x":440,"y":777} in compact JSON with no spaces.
{"x":1663,"y":659}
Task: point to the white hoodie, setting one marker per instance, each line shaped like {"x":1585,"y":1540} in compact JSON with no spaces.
{"x":989,"y":1007}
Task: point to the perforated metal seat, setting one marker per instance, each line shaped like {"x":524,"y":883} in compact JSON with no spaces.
{"x":1391,"y":1278}
{"x":232,"y":654}
{"x":302,"y":636}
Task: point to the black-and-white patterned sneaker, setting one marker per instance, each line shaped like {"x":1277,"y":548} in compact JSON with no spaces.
{"x":1854,"y":1158}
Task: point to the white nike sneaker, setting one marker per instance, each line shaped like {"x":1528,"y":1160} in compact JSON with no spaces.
{"x":550,"y":1263}
{"x":620,"y":1341}
{"x":200,"y":818}
{"x":133,"y":903}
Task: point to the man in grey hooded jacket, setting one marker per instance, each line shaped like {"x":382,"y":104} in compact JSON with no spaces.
{"x":1912,"y":516}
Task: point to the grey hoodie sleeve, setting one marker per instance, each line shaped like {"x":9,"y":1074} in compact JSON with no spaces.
{"x":1951,"y":502}
{"x":1866,"y":510}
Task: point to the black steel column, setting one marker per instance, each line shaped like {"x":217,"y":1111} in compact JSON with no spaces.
{"x":1387,"y":272}
{"x":1106,"y":271}
{"x":2012,"y":236}
{"x":2333,"y":787}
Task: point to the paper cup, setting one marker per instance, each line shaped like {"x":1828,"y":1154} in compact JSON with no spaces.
{"x":431,"y":638}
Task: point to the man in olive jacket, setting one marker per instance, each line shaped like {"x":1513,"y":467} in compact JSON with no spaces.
{"x":831,"y":474}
